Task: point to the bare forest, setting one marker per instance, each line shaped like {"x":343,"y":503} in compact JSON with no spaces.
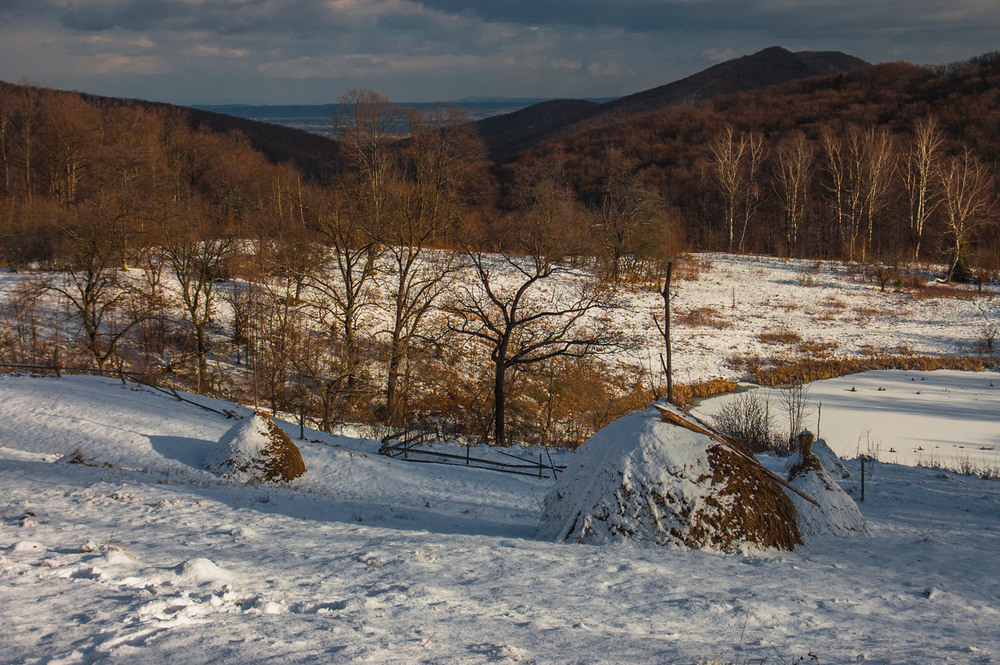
{"x":409,"y":282}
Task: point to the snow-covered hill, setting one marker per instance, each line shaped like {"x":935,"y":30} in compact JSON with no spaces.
{"x":139,"y":555}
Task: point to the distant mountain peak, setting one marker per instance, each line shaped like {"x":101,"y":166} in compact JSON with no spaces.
{"x":510,"y":134}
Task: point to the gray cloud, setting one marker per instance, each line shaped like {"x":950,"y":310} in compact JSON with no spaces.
{"x":310,"y":50}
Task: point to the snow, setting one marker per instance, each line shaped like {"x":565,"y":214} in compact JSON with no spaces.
{"x":944,"y":417}
{"x":837,"y":513}
{"x":604,"y":495}
{"x":140,"y":555}
{"x":644,"y":480}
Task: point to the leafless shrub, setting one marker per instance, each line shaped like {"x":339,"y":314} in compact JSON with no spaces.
{"x":795,"y":404}
{"x":748,"y":419}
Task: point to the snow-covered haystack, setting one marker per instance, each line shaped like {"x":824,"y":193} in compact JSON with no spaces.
{"x":836,"y":514}
{"x":642,"y":479}
{"x":831,"y":462}
{"x":256,"y":451}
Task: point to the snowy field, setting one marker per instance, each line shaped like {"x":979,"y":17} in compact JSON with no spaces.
{"x":725,"y":307}
{"x":141,"y":556}
{"x":941,"y":418}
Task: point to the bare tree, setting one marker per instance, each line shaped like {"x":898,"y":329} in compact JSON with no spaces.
{"x":340,"y":290}
{"x":105,"y":305}
{"x":835,"y":167}
{"x":8,"y":113}
{"x":795,"y":403}
{"x":967,"y":200}
{"x":728,"y":157}
{"x":629,"y":213}
{"x":793,"y":172}
{"x":365,"y":122}
{"x":197,"y":257}
{"x":509,"y":310}
{"x":440,"y":162}
{"x":859,"y":168}
{"x":875,"y":177}
{"x":921,"y":166}
{"x":736,"y":161}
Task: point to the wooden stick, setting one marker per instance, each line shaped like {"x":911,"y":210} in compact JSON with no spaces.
{"x":699,"y":428}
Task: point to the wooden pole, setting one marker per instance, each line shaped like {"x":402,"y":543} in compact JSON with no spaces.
{"x":666,"y":331}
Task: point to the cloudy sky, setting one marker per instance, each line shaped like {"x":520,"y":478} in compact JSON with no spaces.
{"x":310,"y":51}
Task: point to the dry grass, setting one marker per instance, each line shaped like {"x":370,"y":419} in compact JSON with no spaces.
{"x":686,"y":393}
{"x":760,"y":512}
{"x":702,"y":317}
{"x":283,"y":461}
{"x":816,"y":369}
{"x":936,"y":291}
{"x":689,"y":267}
{"x":817,"y":349}
{"x":783,"y":336}
{"x":866,"y":312}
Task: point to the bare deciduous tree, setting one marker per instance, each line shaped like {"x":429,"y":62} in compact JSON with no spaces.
{"x":736,"y":161}
{"x":441,"y":160}
{"x":920,"y":174}
{"x":630,"y":212}
{"x":967,"y":200}
{"x":196,"y":256}
{"x":105,"y":305}
{"x":793,"y":173}
{"x":509,"y":310}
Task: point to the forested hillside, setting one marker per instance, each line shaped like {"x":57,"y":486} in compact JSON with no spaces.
{"x":412,"y":283}
{"x":894,"y":162}
{"x":511,"y":134}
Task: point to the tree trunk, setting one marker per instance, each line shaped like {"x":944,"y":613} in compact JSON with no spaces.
{"x":499,"y":424}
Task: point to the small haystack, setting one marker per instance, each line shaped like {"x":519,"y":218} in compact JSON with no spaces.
{"x":836,"y":514}
{"x":644,"y":479}
{"x":256,"y":451}
{"x":831,"y":462}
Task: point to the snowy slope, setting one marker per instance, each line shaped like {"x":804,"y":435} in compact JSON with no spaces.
{"x":145,"y":557}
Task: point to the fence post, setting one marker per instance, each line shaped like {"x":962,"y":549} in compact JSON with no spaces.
{"x":55,"y":361}
{"x":541,"y":465}
{"x":862,"y":477}
{"x":468,"y":448}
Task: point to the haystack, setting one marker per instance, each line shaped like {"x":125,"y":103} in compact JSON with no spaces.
{"x":256,"y":451}
{"x":837,"y":513}
{"x":831,"y":462}
{"x":643,"y":479}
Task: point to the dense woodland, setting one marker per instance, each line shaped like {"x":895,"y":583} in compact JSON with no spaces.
{"x":403,"y":282}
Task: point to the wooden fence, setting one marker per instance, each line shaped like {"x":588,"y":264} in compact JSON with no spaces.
{"x":414,"y":446}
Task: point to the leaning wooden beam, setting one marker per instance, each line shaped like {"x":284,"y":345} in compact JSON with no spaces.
{"x":675,"y":419}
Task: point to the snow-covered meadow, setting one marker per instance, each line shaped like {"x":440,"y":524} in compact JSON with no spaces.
{"x":140,"y":555}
